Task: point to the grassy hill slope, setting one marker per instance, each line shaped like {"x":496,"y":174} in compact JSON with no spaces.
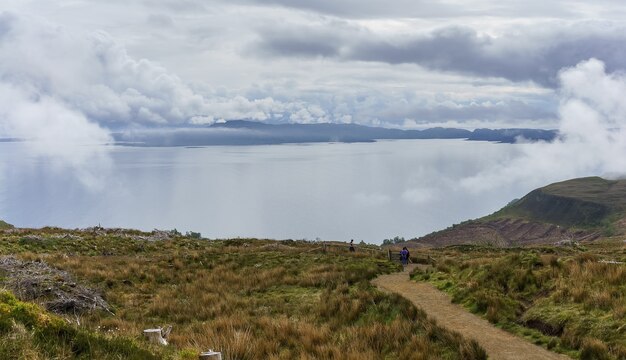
{"x":577,"y":209}
{"x":583,"y":202}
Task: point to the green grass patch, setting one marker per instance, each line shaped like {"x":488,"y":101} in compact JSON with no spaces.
{"x":29,"y":332}
{"x":567,"y":300}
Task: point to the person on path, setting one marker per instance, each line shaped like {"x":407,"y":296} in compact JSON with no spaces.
{"x":404,"y":256}
{"x":352,"y":245}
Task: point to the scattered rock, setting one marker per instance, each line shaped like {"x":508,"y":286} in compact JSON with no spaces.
{"x":159,"y":235}
{"x":67,"y":236}
{"x":54,"y":288}
{"x":16,"y":231}
{"x":155,"y":235}
{"x":32,"y":239}
{"x":566,"y":242}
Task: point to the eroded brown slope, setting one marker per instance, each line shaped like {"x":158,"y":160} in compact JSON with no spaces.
{"x":505,"y":232}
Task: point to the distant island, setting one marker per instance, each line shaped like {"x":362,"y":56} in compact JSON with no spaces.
{"x":242,"y":132}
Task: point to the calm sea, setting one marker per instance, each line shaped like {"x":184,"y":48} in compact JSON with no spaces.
{"x":367,"y":191}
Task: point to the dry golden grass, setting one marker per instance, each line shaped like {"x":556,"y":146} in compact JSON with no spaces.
{"x":248,"y":299}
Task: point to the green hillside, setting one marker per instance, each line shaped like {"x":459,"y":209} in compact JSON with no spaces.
{"x":4,"y":225}
{"x":583,"y":202}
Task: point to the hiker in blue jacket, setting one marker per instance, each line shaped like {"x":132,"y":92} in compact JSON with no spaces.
{"x":404,"y":256}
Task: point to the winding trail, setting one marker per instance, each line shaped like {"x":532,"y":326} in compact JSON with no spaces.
{"x":498,"y":343}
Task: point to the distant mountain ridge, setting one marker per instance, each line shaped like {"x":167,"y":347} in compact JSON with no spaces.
{"x":243,"y":132}
{"x":578,"y":209}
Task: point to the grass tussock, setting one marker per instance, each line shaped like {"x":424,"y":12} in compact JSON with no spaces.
{"x":249,"y":299}
{"x":568,"y":300}
{"x":29,"y":332}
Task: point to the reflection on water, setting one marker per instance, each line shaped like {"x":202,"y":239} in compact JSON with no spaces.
{"x":333,"y":191}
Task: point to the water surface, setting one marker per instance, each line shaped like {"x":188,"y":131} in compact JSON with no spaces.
{"x":367,"y":191}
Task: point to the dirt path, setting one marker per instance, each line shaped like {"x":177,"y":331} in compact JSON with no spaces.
{"x":498,"y":343}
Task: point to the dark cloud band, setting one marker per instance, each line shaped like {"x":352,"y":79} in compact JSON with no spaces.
{"x":537,"y":56}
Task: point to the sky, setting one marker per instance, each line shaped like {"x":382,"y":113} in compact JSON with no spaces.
{"x":405,"y":63}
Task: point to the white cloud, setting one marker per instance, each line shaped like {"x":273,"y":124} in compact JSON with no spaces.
{"x":593,"y":135}
{"x":589,"y":83}
{"x":203,"y":65}
{"x":309,"y":115}
{"x":55,"y":131}
{"x":96,"y":76}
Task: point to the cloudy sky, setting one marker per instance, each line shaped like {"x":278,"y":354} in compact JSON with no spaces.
{"x":404,"y":63}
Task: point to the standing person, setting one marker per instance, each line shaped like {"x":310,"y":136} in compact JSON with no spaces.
{"x":404,"y":256}
{"x":351,"y":245}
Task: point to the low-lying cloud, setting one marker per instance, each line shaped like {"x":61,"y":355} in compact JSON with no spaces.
{"x":94,"y":75}
{"x":55,"y":131}
{"x":30,"y":110}
{"x":592,"y":134}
